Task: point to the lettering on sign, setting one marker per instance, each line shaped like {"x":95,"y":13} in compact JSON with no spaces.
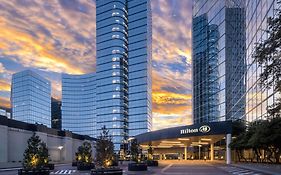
{"x":202,"y":129}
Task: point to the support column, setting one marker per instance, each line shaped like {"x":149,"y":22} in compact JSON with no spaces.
{"x":199,"y":152}
{"x":185,"y":153}
{"x":228,"y":149}
{"x":212,"y":151}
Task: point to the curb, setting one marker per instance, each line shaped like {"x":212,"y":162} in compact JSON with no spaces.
{"x":9,"y":169}
{"x":256,"y":169}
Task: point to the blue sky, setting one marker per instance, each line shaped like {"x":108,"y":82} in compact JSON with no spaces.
{"x":58,"y":36}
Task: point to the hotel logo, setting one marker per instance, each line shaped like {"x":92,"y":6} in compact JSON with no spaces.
{"x":202,"y":129}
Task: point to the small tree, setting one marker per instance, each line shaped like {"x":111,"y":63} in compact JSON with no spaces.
{"x":36,"y":154}
{"x":239,"y":143}
{"x":135,"y":150}
{"x":150,"y":152}
{"x":84,"y":153}
{"x":104,"y":149}
{"x":268,"y":56}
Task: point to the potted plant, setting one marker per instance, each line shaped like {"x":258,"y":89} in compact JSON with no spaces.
{"x":105,"y":157}
{"x":36,"y":158}
{"x":84,"y":157}
{"x":150,"y":161}
{"x":136,"y":157}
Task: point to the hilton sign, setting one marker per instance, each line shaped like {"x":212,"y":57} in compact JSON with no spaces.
{"x":202,"y":129}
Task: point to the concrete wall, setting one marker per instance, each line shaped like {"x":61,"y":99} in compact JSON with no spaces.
{"x":13,"y":143}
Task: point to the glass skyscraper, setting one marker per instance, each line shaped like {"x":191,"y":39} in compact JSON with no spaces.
{"x":78,"y":103}
{"x":123,"y":74}
{"x":140,"y":54}
{"x":31,"y":98}
{"x":258,"y":99}
{"x":112,"y":68}
{"x":241,"y":24}
{"x":219,"y":41}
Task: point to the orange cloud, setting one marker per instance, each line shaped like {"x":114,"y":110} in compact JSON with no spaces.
{"x":4,"y":86}
{"x":33,"y":53}
{"x":5,"y":102}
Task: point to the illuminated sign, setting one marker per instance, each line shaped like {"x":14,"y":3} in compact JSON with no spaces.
{"x":202,"y":129}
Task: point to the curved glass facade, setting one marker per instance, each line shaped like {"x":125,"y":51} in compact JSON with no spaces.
{"x":112,"y":68}
{"x":123,"y":67}
{"x":31,"y":98}
{"x":219,"y":41}
{"x":79,"y":103}
{"x":140,"y":39}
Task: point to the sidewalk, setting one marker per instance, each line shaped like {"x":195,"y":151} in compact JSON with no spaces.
{"x":14,"y":166}
{"x":273,"y":169}
{"x":10,"y":166}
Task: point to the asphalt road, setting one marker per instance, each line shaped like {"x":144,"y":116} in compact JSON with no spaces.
{"x":165,"y":168}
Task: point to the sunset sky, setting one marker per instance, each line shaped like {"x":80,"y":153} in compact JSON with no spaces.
{"x":58,"y":36}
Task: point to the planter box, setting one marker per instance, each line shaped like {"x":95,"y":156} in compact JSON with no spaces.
{"x":74,"y":163}
{"x":33,"y":172}
{"x":152,"y":163}
{"x":85,"y":167}
{"x":137,"y":167}
{"x":50,"y":166}
{"x":107,"y":171}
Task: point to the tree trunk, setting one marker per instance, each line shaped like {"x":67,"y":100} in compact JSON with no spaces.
{"x":277,"y":157}
{"x":257,"y":154}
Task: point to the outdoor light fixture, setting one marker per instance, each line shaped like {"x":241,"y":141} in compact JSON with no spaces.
{"x":171,"y":142}
{"x":184,"y":139}
{"x":60,"y":147}
{"x":205,"y":139}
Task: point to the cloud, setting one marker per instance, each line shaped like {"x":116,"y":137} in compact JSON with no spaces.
{"x":171,"y":63}
{"x":48,"y":35}
{"x":57,"y":36}
{"x":4,"y":102}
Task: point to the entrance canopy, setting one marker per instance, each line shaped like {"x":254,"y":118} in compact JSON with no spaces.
{"x":182,"y":136}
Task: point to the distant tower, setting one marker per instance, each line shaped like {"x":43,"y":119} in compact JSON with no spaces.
{"x":56,"y":113}
{"x":79,"y":103}
{"x":31,"y":98}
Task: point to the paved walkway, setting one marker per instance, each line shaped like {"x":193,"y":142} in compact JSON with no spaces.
{"x":273,"y":169}
{"x":174,"y":167}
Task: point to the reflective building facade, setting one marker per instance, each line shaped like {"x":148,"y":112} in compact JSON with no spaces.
{"x":56,"y":113}
{"x":123,"y":68}
{"x":31,"y":98}
{"x":239,"y":78}
{"x":78,"y":103}
{"x":140,"y":54}
{"x":219,"y":40}
{"x":258,"y":99}
{"x":112,"y":68}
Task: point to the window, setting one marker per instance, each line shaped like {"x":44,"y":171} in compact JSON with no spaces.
{"x":115,"y":73}
{"x":115,"y":66}
{"x":115,"y":13}
{"x":115,"y":81}
{"x":115,"y":36}
{"x":115,"y":28}
{"x":115,"y":59}
{"x":115,"y":51}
